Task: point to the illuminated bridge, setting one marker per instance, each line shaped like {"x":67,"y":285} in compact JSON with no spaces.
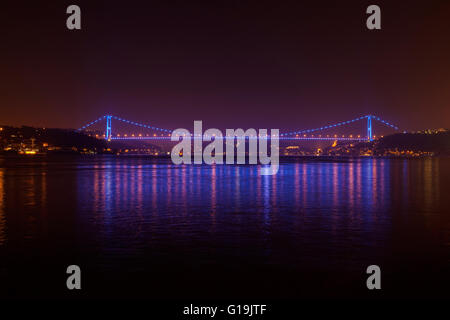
{"x":321,"y":133}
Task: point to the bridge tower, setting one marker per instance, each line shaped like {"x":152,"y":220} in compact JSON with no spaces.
{"x":108,"y":128}
{"x":369,"y":128}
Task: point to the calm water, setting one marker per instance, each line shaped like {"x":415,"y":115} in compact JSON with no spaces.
{"x":142,"y":227}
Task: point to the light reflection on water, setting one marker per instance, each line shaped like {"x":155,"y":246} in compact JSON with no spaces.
{"x":311,"y":215}
{"x":119,"y":190}
{"x":2,"y":211}
{"x":361,"y":195}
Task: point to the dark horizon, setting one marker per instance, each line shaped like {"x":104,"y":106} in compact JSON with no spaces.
{"x":230,"y":64}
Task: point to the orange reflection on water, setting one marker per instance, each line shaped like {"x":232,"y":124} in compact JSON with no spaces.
{"x":274,"y":193}
{"x":2,"y":210}
{"x":430,"y":182}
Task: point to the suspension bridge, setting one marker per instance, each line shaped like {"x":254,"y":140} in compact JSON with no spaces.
{"x":319,"y":133}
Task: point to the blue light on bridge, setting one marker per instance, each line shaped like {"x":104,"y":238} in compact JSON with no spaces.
{"x":283,"y":136}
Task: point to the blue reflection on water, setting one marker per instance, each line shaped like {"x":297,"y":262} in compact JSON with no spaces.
{"x":135,"y":201}
{"x":314,"y":217}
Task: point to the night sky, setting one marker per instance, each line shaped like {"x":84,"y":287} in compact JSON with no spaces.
{"x":288,"y":65}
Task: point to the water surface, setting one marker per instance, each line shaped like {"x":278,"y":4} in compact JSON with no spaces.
{"x":143,"y":227}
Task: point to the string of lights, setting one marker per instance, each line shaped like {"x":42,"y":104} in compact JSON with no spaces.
{"x":141,"y":125}
{"x":283,"y":136}
{"x":339,"y":124}
{"x":91,"y":123}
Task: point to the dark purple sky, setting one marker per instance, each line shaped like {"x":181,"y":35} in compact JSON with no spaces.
{"x":259,"y":64}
